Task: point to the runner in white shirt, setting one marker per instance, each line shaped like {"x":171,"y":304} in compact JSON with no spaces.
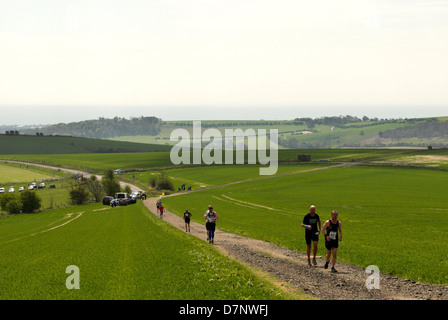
{"x":210,"y":217}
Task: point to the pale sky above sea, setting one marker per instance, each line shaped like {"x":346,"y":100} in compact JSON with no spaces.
{"x":71,"y":60}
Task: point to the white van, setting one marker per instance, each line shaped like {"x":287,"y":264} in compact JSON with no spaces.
{"x":2,"y":190}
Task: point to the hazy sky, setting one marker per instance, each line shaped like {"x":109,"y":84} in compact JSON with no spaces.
{"x":68,"y":60}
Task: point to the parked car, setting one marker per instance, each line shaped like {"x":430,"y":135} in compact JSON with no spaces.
{"x":31,"y":187}
{"x":11,"y":190}
{"x":41,"y":186}
{"x":135,"y":195}
{"x":121,"y":195}
{"x":21,"y":189}
{"x":123,"y":201}
{"x":107,"y":200}
{"x":138,"y":195}
{"x":2,"y":190}
{"x":34,"y":184}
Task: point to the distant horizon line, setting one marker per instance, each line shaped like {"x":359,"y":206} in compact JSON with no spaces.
{"x":191,"y":120}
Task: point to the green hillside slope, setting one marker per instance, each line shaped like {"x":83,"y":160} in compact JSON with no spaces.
{"x":24,"y":144}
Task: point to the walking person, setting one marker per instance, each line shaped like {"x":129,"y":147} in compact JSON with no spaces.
{"x":187,"y":216}
{"x":311,"y":223}
{"x":158,"y":204}
{"x":161,"y":210}
{"x":332,"y":238}
{"x":210,"y":217}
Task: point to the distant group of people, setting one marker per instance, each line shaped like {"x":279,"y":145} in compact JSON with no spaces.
{"x":183,"y":188}
{"x":332,"y":230}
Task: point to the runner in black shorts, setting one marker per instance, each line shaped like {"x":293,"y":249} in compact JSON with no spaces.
{"x":310,"y":223}
{"x":332,"y":238}
{"x":210,"y":217}
{"x":187,"y":216}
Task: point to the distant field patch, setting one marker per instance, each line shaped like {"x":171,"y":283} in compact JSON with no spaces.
{"x":429,"y":159}
{"x":15,"y":174}
{"x":436,"y":161}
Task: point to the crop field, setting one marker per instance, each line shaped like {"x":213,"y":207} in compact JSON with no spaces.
{"x":98,"y":162}
{"x":26,"y":144}
{"x":207,"y":176}
{"x":392,"y":217}
{"x":121,"y":253}
{"x":13,"y":174}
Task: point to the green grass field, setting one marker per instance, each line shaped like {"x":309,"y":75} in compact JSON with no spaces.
{"x":121,"y":253}
{"x":392,"y":217}
{"x":98,"y":162}
{"x":25,"y":144}
{"x":14,"y":173}
{"x":207,"y":176}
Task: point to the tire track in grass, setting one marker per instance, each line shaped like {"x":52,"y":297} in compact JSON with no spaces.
{"x":248,"y":204}
{"x":34,"y":229}
{"x":79,"y":214}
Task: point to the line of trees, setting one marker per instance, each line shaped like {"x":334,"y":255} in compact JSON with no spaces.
{"x":82,"y":190}
{"x":106,"y":128}
{"x":26,"y":202}
{"x":12,"y":132}
{"x":428,"y":129}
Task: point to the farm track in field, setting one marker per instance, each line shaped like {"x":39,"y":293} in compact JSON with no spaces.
{"x":290,"y":267}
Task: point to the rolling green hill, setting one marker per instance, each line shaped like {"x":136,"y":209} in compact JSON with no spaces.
{"x":323,"y":133}
{"x":24,"y":144}
{"x":300,"y":133}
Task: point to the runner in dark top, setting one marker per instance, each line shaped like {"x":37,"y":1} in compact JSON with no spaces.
{"x":333,"y":235}
{"x":312,"y":225}
{"x":187,"y":216}
{"x":210,"y":218}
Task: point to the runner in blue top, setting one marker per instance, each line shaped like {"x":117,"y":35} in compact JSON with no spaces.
{"x":311,"y":223}
{"x":210,"y":217}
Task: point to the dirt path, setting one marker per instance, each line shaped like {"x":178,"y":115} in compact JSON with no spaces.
{"x":291,"y":266}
